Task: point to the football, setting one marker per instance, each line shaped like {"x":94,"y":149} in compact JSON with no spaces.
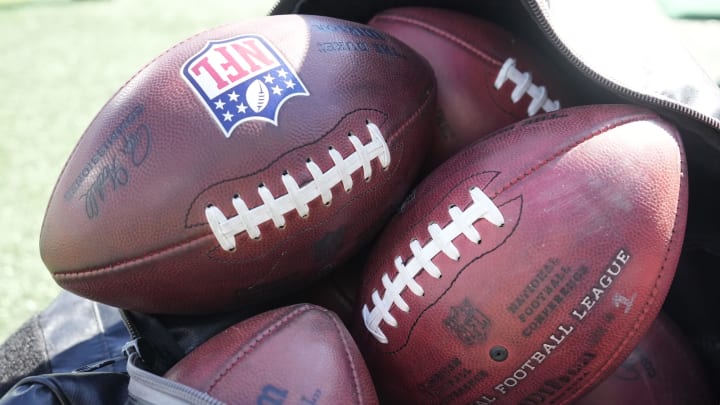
{"x":240,"y":164}
{"x":300,"y":354}
{"x":526,"y":268}
{"x":487,"y":77}
{"x":662,"y":370}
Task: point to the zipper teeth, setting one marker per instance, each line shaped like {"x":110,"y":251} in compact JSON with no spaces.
{"x":539,"y":11}
{"x":169,"y":387}
{"x":129,"y":325}
{"x":273,"y":9}
{"x":295,"y":10}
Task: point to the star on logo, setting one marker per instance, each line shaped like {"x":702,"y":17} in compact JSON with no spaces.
{"x":233,"y":93}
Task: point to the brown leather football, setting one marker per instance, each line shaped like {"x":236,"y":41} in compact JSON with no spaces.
{"x":301,"y":354}
{"x":662,"y":370}
{"x":487,"y":77}
{"x":527,"y":267}
{"x":239,"y":164}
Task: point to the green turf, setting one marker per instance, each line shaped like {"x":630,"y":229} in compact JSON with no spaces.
{"x":61,"y":60}
{"x":691,"y":8}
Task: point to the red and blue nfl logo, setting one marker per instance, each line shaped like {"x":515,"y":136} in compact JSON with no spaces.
{"x":242,"y":78}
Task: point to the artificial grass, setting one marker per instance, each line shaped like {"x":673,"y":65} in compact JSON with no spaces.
{"x":61,"y":61}
{"x":699,"y":9}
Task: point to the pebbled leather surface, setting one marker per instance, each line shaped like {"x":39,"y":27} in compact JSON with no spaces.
{"x":663,"y":369}
{"x":288,"y":355}
{"x":466,"y":54}
{"x":126,"y":224}
{"x":581,"y":191}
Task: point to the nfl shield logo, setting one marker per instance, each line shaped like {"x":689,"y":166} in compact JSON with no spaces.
{"x":240,"y":79}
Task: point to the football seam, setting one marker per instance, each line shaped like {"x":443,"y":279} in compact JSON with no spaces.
{"x":350,"y":361}
{"x":491,"y":89}
{"x":508,"y":66}
{"x":457,"y":184}
{"x":211,"y":254}
{"x":274,"y":161}
{"x":457,"y":276}
{"x":412,"y":117}
{"x":652,"y":297}
{"x":494,"y":90}
{"x":297,"y":198}
{"x":524,"y":86}
{"x":443,"y":34}
{"x":428,"y":92}
{"x":256,"y":340}
{"x":603,"y":129}
{"x":390,"y":138}
{"x":317,"y":225}
{"x":121,"y":265}
{"x":308,"y":229}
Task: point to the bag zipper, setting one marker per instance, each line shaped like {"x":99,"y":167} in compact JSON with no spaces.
{"x":296,"y":8}
{"x":150,"y":388}
{"x":539,"y":13}
{"x":147,"y":387}
{"x":130,"y":326}
{"x":130,"y":346}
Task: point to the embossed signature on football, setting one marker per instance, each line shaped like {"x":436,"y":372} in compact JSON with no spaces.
{"x":238,"y":164}
{"x":528,"y":266}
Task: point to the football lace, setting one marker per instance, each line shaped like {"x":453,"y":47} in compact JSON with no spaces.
{"x":441,"y":240}
{"x":524,"y":85}
{"x":298,"y":197}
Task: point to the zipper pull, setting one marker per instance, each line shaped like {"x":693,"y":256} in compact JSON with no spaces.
{"x":99,"y":364}
{"x":130,"y":348}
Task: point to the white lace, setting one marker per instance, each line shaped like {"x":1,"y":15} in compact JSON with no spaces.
{"x":524,"y":85}
{"x":441,"y":241}
{"x":297,"y":198}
